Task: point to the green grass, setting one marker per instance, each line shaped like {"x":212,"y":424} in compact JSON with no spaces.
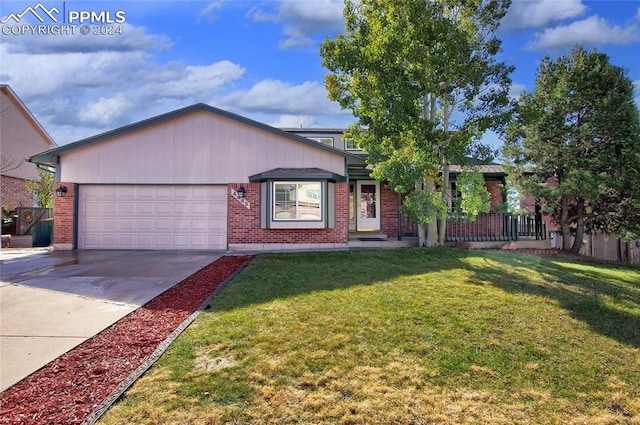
{"x":404,"y":337}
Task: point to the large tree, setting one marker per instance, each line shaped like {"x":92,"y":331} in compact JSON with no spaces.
{"x":575,"y":145}
{"x":421,"y":77}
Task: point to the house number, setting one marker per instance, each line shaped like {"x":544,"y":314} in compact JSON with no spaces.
{"x":243,"y":201}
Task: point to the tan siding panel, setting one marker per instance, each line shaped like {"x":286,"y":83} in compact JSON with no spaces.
{"x":19,"y":138}
{"x":200,"y":148}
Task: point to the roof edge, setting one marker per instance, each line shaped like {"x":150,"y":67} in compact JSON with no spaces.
{"x":7,"y":88}
{"x":48,"y":156}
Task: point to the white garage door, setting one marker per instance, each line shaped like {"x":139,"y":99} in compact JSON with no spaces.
{"x":152,"y":217}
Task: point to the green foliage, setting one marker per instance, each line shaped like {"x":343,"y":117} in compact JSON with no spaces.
{"x":424,"y":206}
{"x":42,"y":190}
{"x":422,"y":80}
{"x":576,"y":144}
{"x":511,"y":205}
{"x":474,"y":196}
{"x":7,"y":217}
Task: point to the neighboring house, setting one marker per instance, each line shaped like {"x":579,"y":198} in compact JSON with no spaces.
{"x":21,"y":136}
{"x":204,"y":178}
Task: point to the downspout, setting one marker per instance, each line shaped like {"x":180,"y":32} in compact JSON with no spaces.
{"x":76,"y":219}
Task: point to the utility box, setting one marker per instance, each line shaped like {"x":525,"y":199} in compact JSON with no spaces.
{"x":42,"y":233}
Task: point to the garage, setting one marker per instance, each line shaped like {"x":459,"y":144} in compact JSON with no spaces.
{"x":152,"y":217}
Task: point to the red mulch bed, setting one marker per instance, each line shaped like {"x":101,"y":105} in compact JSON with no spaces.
{"x":68,"y":389}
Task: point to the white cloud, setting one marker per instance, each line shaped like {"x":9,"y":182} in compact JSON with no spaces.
{"x":81,"y":86}
{"x":192,"y":81}
{"x":540,"y":13}
{"x":592,"y":31}
{"x":76,"y":92}
{"x":636,"y":85}
{"x":516,"y":90}
{"x":303,"y":19}
{"x":294,"y":121}
{"x":277,"y":97}
{"x":208,"y":13}
{"x":105,"y":110}
{"x":173,"y":85}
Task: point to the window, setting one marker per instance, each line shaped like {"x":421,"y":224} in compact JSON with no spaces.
{"x":350,"y":144}
{"x":301,"y":201}
{"x":323,"y":140}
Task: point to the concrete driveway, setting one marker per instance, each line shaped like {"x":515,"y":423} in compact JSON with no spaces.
{"x":52,"y":301}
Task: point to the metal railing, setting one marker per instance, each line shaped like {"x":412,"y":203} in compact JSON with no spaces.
{"x":532,"y":227}
{"x":486,"y":227}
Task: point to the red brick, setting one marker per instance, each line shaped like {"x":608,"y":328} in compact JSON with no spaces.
{"x":64,"y":215}
{"x":14,"y":193}
{"x":244,"y":224}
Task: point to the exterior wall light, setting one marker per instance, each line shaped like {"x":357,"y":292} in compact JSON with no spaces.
{"x":241,"y":191}
{"x":61,"y":191}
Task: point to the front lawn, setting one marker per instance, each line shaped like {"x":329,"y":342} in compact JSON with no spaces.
{"x":404,"y":337}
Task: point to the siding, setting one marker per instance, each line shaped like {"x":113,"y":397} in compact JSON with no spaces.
{"x":199,"y":148}
{"x":19,"y":137}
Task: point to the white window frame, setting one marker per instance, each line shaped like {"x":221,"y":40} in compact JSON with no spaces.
{"x":346,"y":144}
{"x":321,"y":200}
{"x":327,"y":141}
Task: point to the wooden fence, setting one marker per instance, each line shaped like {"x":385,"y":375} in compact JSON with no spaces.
{"x":606,"y":247}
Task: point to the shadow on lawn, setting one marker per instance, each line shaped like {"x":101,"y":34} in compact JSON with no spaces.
{"x":581,"y":291}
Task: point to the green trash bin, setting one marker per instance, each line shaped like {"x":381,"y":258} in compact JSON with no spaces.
{"x":42,"y":233}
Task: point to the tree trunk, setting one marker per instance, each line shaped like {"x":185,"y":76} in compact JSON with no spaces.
{"x":446,"y":195}
{"x":564,"y":225}
{"x":431,"y":237}
{"x":577,"y":243}
{"x":431,"y":240}
{"x":422,"y":235}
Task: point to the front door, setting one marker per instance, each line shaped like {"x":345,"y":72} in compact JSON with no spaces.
{"x":368,"y":205}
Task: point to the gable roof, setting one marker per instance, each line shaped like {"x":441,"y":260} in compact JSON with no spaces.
{"x":49,"y":157}
{"x":8,"y":92}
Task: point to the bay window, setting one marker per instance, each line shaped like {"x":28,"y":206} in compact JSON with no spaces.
{"x":299,"y":201}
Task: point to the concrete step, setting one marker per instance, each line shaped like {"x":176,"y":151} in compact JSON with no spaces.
{"x":381,"y":244}
{"x":367,"y":236}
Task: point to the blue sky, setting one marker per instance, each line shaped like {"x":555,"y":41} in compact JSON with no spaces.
{"x":255,"y":58}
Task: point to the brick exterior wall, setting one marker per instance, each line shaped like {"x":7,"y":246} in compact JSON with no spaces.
{"x":244,"y":224}
{"x":64,"y":218}
{"x":388,"y":211}
{"x":14,"y":193}
{"x":494,"y":189}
